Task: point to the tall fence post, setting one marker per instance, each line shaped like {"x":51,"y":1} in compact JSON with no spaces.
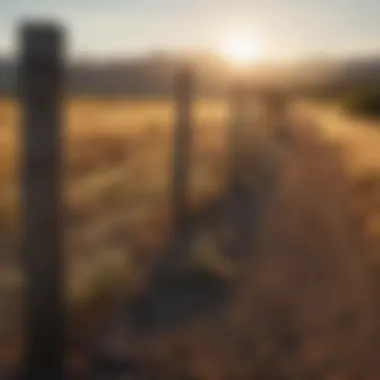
{"x":181,"y":149}
{"x":40,"y":90}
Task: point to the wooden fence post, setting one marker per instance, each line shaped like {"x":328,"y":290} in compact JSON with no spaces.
{"x":182,"y":144}
{"x":239,"y":99}
{"x":240,"y":200}
{"x":40,"y":90}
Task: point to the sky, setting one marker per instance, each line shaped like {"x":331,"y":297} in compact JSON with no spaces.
{"x":285,"y":28}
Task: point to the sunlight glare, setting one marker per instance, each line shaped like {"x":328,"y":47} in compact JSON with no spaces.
{"x":241,"y":49}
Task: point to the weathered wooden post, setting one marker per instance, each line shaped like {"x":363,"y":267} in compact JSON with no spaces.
{"x":239,"y":99}
{"x":182,"y":144}
{"x":40,"y":91}
{"x":241,"y":198}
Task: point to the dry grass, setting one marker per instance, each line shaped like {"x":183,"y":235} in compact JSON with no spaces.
{"x":306,"y":302}
{"x":116,"y":179}
{"x":302,"y":305}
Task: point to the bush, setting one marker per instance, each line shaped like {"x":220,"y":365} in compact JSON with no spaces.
{"x":364,"y":102}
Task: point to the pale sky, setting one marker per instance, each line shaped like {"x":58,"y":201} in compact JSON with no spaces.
{"x":286,"y":28}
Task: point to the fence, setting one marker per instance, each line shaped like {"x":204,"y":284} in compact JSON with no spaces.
{"x":41,"y":87}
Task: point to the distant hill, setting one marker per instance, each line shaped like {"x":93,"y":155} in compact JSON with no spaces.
{"x":154,"y":75}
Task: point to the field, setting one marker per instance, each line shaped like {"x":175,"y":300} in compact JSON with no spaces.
{"x":116,"y":182}
{"x":301,"y":303}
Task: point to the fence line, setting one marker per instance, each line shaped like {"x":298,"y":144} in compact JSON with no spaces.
{"x":41,"y":79}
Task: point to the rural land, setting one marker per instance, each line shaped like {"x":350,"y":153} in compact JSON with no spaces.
{"x":299,"y":300}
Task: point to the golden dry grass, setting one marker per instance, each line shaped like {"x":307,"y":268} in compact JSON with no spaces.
{"x":315,"y":238}
{"x":306,"y":304}
{"x":116,"y":178}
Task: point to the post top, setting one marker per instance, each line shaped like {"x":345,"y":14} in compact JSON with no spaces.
{"x":41,"y":40}
{"x":41,"y":29}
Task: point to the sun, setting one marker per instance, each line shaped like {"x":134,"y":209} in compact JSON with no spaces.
{"x":241,"y":49}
